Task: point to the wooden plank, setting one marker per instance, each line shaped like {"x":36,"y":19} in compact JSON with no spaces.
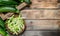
{"x":41,"y":33}
{"x":22,"y":5}
{"x":44,"y":4}
{"x":40,"y":14}
{"x":42,"y":24}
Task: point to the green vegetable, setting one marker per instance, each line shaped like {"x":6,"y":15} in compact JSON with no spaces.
{"x":3,"y":32}
{"x":2,"y":23}
{"x":15,"y":24}
{"x":27,"y":1}
{"x":8,"y":2}
{"x":7,"y":34}
{"x":2,"y":28}
{"x":21,"y":1}
{"x":8,"y":9}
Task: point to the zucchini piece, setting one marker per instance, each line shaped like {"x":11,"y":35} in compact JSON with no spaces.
{"x":2,"y":23}
{"x":8,"y":9}
{"x":2,"y":32}
{"x":27,"y":1}
{"x":8,"y":2}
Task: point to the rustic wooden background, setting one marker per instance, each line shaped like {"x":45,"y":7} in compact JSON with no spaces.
{"x":42,"y":15}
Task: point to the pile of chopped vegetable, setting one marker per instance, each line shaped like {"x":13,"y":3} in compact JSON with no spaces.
{"x":15,"y":25}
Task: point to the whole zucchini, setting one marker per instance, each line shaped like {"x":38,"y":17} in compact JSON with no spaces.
{"x":8,"y":9}
{"x":21,"y":1}
{"x":9,"y":6}
{"x":2,"y":23}
{"x":3,"y":32}
{"x":17,"y":1}
{"x":27,"y":1}
{"x":8,"y":2}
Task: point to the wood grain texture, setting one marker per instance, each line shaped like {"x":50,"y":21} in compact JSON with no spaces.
{"x":42,"y":24}
{"x":40,"y":14}
{"x":41,"y":33}
{"x":44,"y":4}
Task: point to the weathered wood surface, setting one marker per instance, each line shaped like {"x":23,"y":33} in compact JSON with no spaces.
{"x":19,"y":7}
{"x":42,"y":19}
{"x":40,"y":14}
{"x":39,"y":27}
{"x":44,"y":4}
{"x":41,"y":33}
{"x":42,"y":24}
{"x":37,"y":19}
